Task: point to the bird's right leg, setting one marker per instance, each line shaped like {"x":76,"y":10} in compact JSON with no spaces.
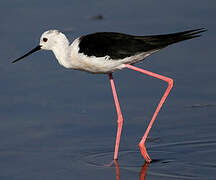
{"x":119,"y":114}
{"x":166,"y":93}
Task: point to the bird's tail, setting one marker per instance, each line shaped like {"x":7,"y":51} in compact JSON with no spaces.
{"x":160,"y":41}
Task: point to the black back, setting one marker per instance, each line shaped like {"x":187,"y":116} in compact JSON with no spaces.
{"x":119,"y":46}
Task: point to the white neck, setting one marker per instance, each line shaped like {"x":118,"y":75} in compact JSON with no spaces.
{"x":61,"y":51}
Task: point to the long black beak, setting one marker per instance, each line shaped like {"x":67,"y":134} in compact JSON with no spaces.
{"x":30,"y":52}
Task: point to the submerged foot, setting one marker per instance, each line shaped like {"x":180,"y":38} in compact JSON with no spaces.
{"x":144,"y":152}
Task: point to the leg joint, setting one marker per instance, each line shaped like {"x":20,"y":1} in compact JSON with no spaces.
{"x":120,"y":119}
{"x":170,"y":82}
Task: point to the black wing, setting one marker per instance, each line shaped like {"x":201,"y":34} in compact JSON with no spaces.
{"x":119,"y":46}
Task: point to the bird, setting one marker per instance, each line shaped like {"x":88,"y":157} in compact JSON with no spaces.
{"x":107,"y":52}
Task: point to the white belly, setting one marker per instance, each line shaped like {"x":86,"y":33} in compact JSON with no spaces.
{"x":97,"y":65}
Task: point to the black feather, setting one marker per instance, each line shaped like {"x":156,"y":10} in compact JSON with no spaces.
{"x":119,"y":46}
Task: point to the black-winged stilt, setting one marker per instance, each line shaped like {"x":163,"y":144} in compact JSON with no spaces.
{"x":106,"y":52}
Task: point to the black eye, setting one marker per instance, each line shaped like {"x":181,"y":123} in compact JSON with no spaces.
{"x":45,"y":39}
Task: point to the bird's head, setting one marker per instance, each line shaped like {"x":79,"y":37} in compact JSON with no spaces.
{"x":49,"y":41}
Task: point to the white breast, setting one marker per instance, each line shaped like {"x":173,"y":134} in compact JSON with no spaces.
{"x":92,"y":64}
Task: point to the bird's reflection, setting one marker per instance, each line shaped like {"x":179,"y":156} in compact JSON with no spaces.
{"x":117,"y":170}
{"x":142,"y":172}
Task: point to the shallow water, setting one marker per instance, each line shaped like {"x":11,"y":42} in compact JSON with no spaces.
{"x":61,"y":124}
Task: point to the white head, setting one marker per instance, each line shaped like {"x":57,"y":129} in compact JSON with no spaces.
{"x":50,"y":40}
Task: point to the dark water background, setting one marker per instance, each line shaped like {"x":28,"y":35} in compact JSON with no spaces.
{"x":60,"y":124}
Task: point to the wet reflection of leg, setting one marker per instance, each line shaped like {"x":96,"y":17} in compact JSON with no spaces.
{"x":117,"y":170}
{"x":143,"y":171}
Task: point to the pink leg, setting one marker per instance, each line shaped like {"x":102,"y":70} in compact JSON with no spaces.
{"x":119,"y":114}
{"x":170,"y":85}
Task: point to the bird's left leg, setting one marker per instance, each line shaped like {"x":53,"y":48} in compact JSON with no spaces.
{"x":119,"y":114}
{"x":170,"y":85}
